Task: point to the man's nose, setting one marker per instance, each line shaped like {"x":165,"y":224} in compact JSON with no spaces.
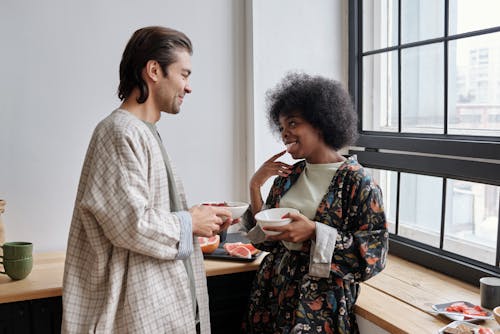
{"x":188,"y":89}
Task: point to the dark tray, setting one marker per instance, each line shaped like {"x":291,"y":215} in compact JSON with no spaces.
{"x":220,"y":253}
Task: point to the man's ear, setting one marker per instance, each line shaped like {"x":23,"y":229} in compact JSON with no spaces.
{"x":152,"y":70}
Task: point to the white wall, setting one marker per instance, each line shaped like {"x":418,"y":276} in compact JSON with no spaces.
{"x":59,"y":73}
{"x":58,"y":77}
{"x":291,"y":35}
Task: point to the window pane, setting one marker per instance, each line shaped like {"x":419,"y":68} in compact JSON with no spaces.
{"x":388,"y":182}
{"x":470,"y":15}
{"x":380,"y":24}
{"x":422,"y":89}
{"x":420,"y":208}
{"x":471,"y":224}
{"x":474,"y":86}
{"x":421,"y":20}
{"x":380,"y":92}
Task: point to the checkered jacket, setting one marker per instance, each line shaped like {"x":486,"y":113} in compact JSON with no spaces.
{"x":121,"y":274}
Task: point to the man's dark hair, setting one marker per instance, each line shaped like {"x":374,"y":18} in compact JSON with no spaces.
{"x":149,"y":43}
{"x":322,"y":102}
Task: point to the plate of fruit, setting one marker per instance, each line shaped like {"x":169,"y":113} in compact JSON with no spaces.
{"x":235,"y":248}
{"x":462,"y":310}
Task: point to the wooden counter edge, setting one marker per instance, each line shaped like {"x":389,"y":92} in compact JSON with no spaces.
{"x":384,"y":310}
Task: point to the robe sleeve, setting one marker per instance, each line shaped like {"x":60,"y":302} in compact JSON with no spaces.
{"x":119,"y":198}
{"x":360,"y":253}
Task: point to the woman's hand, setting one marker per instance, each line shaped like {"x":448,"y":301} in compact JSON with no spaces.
{"x":270,"y":168}
{"x":300,"y":229}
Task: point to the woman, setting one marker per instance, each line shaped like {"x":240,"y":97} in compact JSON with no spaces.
{"x":309,"y":282}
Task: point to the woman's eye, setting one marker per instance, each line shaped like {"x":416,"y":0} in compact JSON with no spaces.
{"x":280,"y":129}
{"x":292,"y":124}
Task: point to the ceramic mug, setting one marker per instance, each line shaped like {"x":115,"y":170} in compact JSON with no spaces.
{"x":17,"y":250}
{"x":17,"y":269}
{"x":489,"y":290}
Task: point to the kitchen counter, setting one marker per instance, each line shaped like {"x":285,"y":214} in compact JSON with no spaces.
{"x":397,"y":300}
{"x":45,"y":279}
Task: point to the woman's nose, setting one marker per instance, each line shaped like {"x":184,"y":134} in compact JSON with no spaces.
{"x":284,"y":135}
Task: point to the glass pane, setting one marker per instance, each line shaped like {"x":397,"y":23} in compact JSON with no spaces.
{"x":470,"y":15}
{"x":422,"y":89}
{"x":474,"y":86}
{"x":380,"y":92}
{"x":420,"y":208}
{"x":421,"y":20}
{"x":388,"y":182}
{"x":380,"y":24}
{"x":471,"y":224}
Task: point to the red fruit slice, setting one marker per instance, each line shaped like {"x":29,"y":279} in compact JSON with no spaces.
{"x":252,"y":249}
{"x":229,"y":246}
{"x":209,"y":245}
{"x":241,"y":251}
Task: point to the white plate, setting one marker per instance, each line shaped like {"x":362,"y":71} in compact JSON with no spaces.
{"x":455,"y":324}
{"x":460,"y":316}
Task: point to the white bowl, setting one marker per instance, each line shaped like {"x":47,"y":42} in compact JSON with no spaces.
{"x":237,"y":208}
{"x":272,"y":217}
{"x":496,"y":312}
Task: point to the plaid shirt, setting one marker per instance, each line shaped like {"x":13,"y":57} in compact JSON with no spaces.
{"x":122,"y":274}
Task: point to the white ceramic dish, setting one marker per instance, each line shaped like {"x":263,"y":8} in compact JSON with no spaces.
{"x":496,"y":313}
{"x":441,"y":309}
{"x":237,"y":208}
{"x":273,"y":217}
{"x":465,"y":324}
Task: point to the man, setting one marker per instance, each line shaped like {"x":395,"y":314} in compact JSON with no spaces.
{"x":133,"y":263}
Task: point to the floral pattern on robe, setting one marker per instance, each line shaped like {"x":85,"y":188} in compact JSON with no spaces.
{"x":285,"y":298}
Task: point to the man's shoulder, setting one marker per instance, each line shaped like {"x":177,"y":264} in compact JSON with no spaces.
{"x":120,"y":122}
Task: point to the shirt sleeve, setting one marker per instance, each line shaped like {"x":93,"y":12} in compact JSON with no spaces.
{"x":322,"y":250}
{"x":186,"y":237}
{"x":361,"y":252}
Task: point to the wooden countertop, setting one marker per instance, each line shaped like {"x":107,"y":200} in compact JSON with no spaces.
{"x":398,"y":299}
{"x":45,"y":279}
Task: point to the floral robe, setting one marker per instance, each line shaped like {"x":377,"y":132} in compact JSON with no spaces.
{"x":285,"y":298}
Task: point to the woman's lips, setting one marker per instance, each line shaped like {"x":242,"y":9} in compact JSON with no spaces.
{"x":289,"y":146}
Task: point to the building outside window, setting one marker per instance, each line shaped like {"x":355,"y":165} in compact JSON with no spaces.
{"x":425,"y":78}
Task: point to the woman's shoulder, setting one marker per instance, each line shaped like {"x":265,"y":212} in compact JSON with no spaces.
{"x":354,"y":171}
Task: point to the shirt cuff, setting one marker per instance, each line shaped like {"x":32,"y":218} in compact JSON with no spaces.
{"x":322,"y":250}
{"x":186,"y":237}
{"x":256,"y":235}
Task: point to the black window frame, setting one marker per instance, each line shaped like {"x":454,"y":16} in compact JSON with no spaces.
{"x":468,"y":158}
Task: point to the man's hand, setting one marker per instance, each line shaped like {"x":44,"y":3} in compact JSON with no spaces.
{"x":207,"y":220}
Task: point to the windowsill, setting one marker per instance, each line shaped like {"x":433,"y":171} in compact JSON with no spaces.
{"x":400,"y":297}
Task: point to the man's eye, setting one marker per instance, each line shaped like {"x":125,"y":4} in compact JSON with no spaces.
{"x":292,"y":123}
{"x":280,"y":129}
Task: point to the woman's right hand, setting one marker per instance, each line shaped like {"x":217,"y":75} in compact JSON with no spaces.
{"x":270,"y":168}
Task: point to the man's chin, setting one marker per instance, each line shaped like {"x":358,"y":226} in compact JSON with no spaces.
{"x":172,"y":112}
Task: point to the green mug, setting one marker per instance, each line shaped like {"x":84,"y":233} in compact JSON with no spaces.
{"x":17,"y":269}
{"x":17,"y":250}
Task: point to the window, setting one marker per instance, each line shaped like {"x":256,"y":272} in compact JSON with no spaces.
{"x":425,"y":79}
